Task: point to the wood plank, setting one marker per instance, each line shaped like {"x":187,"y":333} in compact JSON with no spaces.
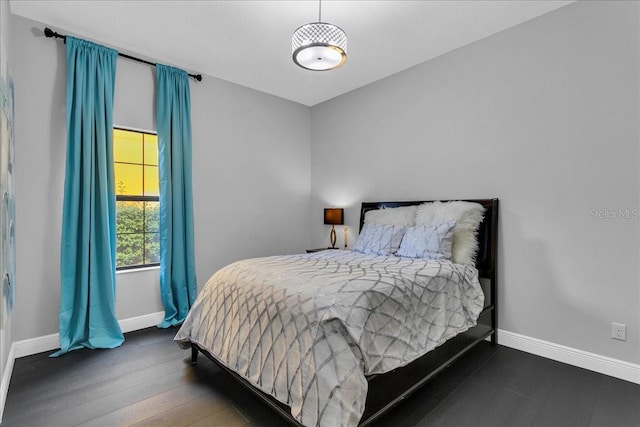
{"x":150,"y":408}
{"x":207,"y":406}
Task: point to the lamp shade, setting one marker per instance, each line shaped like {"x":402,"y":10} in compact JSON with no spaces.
{"x":319,"y":46}
{"x":334,"y":216}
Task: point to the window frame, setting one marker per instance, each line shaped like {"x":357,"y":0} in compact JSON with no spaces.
{"x":135,"y":198}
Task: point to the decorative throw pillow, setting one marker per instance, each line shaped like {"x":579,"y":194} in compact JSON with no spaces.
{"x":405,"y":215}
{"x":379,"y":239}
{"x":427,"y":242}
{"x":468,"y":216}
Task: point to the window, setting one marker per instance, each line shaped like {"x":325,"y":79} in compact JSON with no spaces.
{"x":137,"y":198}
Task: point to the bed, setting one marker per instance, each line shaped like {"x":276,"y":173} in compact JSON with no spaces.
{"x":341,"y":337}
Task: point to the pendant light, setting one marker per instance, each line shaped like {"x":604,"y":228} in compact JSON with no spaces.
{"x":319,"y":46}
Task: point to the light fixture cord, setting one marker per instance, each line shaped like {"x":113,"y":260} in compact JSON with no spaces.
{"x":319,"y":10}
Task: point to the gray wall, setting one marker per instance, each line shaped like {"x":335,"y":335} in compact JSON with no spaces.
{"x":251,"y":174}
{"x":543,"y":116}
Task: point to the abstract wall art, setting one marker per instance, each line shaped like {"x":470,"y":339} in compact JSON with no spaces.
{"x":7,"y":207}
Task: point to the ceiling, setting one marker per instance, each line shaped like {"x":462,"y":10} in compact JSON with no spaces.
{"x":249,"y":42}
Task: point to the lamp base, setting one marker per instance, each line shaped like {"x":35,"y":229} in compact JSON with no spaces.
{"x":332,"y":237}
{"x":345,"y":237}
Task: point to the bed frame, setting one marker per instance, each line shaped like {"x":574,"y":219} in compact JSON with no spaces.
{"x":389,"y":389}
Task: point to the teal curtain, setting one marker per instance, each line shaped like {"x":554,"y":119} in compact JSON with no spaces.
{"x":178,"y":287}
{"x":87,"y":299}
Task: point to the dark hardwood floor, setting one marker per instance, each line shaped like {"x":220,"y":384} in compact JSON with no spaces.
{"x":149,"y":381}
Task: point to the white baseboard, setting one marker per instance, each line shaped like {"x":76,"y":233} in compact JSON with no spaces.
{"x":141,"y":322}
{"x":52,"y":342}
{"x":583,"y":359}
{"x":6,"y":377}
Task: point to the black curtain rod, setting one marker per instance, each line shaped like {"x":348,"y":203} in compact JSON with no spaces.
{"x":50,"y":33}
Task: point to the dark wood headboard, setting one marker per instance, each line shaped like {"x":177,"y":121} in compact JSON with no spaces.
{"x":486,"y":260}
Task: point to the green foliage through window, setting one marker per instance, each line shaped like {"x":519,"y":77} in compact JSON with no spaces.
{"x":137,"y":201}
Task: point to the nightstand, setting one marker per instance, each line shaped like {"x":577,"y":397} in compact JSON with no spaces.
{"x":318,"y":250}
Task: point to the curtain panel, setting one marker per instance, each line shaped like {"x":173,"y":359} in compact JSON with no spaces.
{"x":178,"y":286}
{"x":88,"y":247}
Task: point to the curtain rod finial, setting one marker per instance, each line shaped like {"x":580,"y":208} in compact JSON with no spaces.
{"x":48,"y":32}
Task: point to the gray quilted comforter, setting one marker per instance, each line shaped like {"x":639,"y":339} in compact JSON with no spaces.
{"x":307,"y":329}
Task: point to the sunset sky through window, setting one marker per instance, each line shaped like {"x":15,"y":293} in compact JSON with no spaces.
{"x":136,"y":163}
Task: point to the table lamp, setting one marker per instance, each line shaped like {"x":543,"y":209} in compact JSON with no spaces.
{"x":333,"y":217}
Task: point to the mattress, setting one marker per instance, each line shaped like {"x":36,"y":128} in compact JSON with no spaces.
{"x":307,"y":329}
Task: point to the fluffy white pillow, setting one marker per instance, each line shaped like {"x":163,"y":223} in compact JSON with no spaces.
{"x":468,"y":216}
{"x":405,"y":215}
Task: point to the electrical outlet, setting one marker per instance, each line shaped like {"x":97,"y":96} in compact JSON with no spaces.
{"x":618,"y":331}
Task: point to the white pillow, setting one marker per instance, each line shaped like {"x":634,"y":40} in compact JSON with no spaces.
{"x":427,"y":242}
{"x":405,"y":215}
{"x":379,"y":239}
{"x":468,"y":216}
